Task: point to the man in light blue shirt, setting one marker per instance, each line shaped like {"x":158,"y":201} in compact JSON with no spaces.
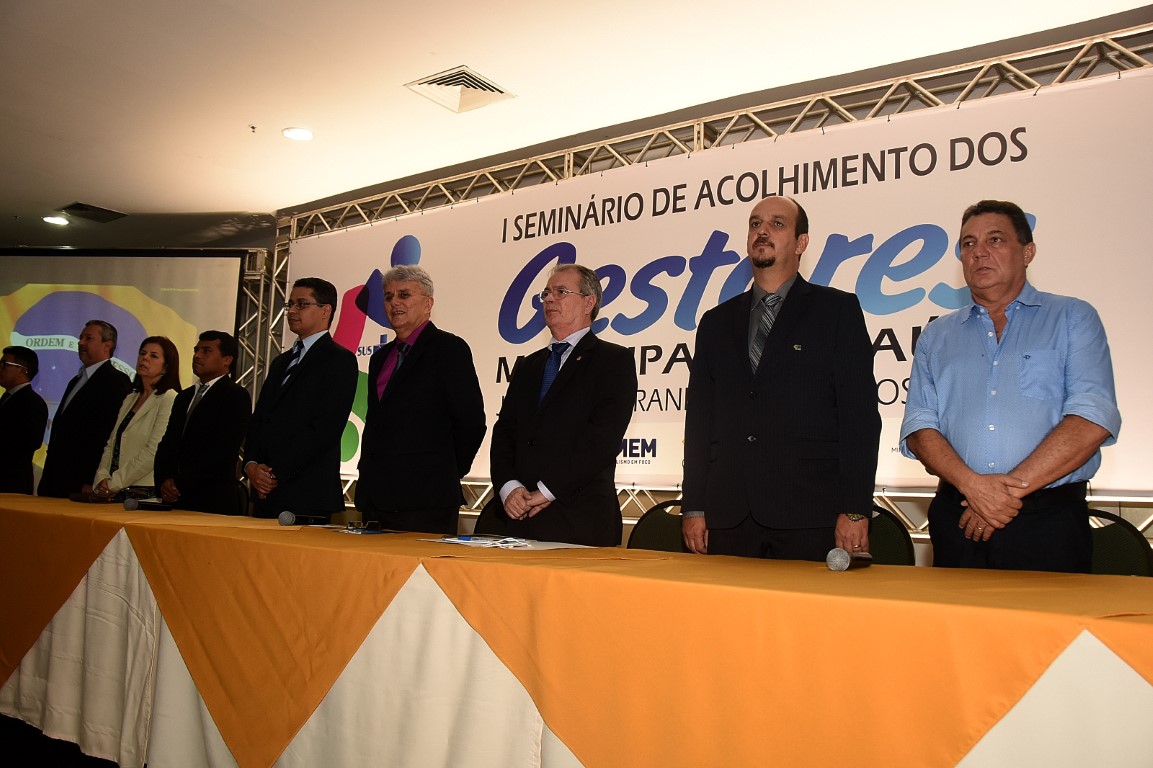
{"x":1010,"y":401}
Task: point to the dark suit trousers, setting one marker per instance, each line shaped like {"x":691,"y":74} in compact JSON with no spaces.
{"x":1051,"y":533}
{"x":751,"y":539}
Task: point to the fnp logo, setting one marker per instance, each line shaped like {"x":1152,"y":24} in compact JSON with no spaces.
{"x":884,"y":284}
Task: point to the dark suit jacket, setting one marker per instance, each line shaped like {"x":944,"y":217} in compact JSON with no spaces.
{"x":419,"y":440}
{"x":796,"y":444}
{"x":199,"y":451}
{"x":296,"y":430}
{"x":23,"y":417}
{"x":569,"y":441}
{"x":81,"y":430}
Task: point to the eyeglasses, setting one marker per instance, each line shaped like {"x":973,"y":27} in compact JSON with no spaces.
{"x":11,"y":364}
{"x":560,"y":293}
{"x":300,"y":306}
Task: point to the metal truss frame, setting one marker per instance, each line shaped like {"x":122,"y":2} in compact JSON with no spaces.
{"x":1053,"y":66}
{"x":259,"y":310}
{"x":1074,"y":61}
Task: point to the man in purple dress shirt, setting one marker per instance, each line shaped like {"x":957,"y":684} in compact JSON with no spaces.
{"x":425,"y":419}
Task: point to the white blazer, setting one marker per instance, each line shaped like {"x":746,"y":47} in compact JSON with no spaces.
{"x":138,"y":444}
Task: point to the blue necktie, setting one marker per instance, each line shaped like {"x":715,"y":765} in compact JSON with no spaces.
{"x":552,"y":366}
{"x":297,"y":348}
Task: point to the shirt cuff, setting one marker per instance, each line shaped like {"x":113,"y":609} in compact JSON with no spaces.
{"x":693,"y":513}
{"x":508,"y":488}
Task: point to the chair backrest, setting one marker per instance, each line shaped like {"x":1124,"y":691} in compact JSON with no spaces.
{"x":241,"y":498}
{"x":889,"y":539}
{"x":1119,"y":548}
{"x":659,"y":529}
{"x":487,"y":521}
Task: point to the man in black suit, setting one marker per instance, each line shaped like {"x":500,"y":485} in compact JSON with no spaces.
{"x":555,"y":442}
{"x":781,"y":427}
{"x":23,"y":416}
{"x":195,"y":465}
{"x":425,"y":418}
{"x":292,"y":452}
{"x":86,"y":414}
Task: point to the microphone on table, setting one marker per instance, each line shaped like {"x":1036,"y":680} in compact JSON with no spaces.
{"x":288,"y":518}
{"x":840,"y":560}
{"x":156,"y":506}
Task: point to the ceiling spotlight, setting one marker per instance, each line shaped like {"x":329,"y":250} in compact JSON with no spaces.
{"x":59,"y":221}
{"x":297,"y":134}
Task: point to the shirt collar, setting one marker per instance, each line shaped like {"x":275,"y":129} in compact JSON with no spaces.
{"x":1028,"y":297}
{"x":760,"y":293}
{"x":412,"y":337}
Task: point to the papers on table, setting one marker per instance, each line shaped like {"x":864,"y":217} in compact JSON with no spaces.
{"x":504,"y":542}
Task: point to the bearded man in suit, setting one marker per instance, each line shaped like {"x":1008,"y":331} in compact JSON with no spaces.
{"x":781,"y":423}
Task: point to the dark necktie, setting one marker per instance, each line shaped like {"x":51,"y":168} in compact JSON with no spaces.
{"x":79,"y":382}
{"x":552,"y":366}
{"x":401,"y":350}
{"x":201,"y":388}
{"x":770,"y":305}
{"x":297,"y":348}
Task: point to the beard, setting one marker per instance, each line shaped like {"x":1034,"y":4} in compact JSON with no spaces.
{"x":763,"y":262}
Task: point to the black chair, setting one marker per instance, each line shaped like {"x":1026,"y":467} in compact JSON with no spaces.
{"x":889,"y":539}
{"x":488,"y":520}
{"x":1119,"y":548}
{"x":659,"y":529}
{"x":241,"y":498}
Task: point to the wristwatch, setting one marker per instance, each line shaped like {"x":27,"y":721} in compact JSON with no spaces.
{"x":854,"y":517}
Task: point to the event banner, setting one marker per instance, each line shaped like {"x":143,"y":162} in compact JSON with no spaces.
{"x":884,"y":199}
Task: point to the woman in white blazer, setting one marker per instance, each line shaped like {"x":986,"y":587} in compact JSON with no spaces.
{"x":131,"y":448}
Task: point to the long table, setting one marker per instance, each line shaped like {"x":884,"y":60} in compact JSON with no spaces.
{"x":187,"y":639}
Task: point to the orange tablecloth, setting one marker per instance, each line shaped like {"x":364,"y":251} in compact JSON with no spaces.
{"x":669,"y":659}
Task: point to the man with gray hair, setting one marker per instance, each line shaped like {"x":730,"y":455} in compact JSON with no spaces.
{"x":555,"y":443}
{"x":425,"y":419}
{"x":86,"y":414}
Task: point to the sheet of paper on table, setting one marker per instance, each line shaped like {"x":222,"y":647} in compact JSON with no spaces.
{"x":504,"y":542}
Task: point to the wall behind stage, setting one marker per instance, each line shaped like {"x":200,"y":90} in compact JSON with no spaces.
{"x":884,"y":199}
{"x":47,"y":295}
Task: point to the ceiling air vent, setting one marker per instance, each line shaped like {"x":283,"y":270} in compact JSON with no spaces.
{"x":92,"y":213}
{"x":459,"y":89}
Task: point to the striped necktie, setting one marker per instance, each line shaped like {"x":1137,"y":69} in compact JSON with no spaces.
{"x":770,"y":305}
{"x":297,"y":349}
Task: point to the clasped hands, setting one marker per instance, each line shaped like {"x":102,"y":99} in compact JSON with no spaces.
{"x":991,"y":502}
{"x":261,"y":477}
{"x":521,"y":503}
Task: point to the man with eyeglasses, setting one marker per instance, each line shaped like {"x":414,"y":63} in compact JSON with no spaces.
{"x":292,"y":451}
{"x":23,"y":416}
{"x":86,"y":414}
{"x":195,"y":465}
{"x":554,"y":445}
{"x":781,"y":421}
{"x":425,"y":418}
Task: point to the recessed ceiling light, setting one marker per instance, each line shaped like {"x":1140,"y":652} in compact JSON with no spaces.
{"x":297,"y":134}
{"x":59,"y":221}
